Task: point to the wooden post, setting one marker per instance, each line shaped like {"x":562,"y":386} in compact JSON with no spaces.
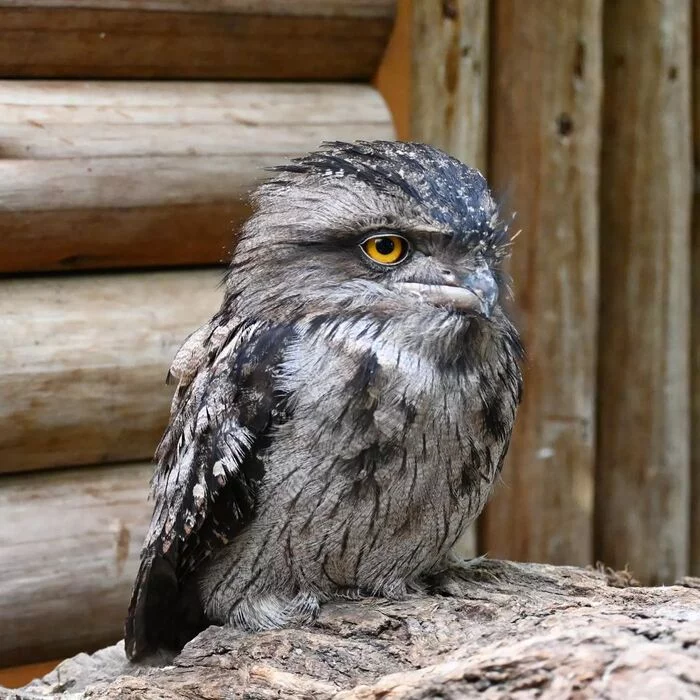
{"x":695,"y":318}
{"x":449,"y":92}
{"x":545,"y":104}
{"x":450,"y":77}
{"x":642,"y":505}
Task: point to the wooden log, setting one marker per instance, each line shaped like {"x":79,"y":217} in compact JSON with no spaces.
{"x":216,"y":39}
{"x":134,"y":174}
{"x":642,"y":505}
{"x":449,"y":94}
{"x":70,"y":546}
{"x":516,"y":631}
{"x":84,"y":360}
{"x":695,"y":310}
{"x":546,"y":96}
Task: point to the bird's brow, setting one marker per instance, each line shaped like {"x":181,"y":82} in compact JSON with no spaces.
{"x":432,"y":232}
{"x":406,"y":230}
{"x":345,"y":238}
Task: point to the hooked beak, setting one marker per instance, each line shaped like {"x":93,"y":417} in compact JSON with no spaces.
{"x":476,"y":292}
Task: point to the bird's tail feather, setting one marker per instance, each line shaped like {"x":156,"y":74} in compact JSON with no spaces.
{"x":163,"y":613}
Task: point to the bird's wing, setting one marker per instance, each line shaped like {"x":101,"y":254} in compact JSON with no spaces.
{"x":208,"y":471}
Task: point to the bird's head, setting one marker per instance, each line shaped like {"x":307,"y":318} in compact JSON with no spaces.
{"x":381,"y":228}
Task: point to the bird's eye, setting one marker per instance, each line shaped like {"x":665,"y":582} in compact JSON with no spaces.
{"x":386,"y":250}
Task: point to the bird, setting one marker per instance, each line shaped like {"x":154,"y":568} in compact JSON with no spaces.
{"x":345,"y":414}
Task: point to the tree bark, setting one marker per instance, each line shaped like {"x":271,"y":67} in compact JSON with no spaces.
{"x":529,"y":630}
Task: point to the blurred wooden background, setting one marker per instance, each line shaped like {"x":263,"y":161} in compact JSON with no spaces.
{"x":130,"y":133}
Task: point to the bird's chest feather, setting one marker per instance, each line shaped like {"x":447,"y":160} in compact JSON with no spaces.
{"x":384,"y":445}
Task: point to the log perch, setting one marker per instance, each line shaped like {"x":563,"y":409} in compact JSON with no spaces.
{"x":515,"y":630}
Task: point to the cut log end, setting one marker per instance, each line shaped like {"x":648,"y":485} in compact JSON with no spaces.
{"x":540,"y":630}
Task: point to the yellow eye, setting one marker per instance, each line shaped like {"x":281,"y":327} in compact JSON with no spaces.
{"x":386,"y":250}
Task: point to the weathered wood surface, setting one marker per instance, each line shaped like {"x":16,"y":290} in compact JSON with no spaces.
{"x":218,"y":39}
{"x":449,"y":89}
{"x":84,"y":361}
{"x":695,"y":311}
{"x":545,"y":127}
{"x":291,"y":8}
{"x":115,"y":174}
{"x":642,"y":505}
{"x":515,"y":631}
{"x":69,"y":554}
{"x":449,"y":98}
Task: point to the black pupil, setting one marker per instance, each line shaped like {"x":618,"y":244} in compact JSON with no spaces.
{"x":385,"y":246}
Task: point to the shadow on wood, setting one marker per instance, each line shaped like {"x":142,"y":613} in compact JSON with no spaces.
{"x":544,"y":631}
{"x":221,"y":39}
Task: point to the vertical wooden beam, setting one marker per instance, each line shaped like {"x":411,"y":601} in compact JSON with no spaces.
{"x":544,"y":149}
{"x":449,"y":92}
{"x":450,"y":77}
{"x":695,"y":317}
{"x":642,"y":505}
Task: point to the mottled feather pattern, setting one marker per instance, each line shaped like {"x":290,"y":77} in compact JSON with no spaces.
{"x":206,"y":484}
{"x":187,"y":480}
{"x":333,"y":433}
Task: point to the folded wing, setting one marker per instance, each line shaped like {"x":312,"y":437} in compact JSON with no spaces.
{"x":208,"y":472}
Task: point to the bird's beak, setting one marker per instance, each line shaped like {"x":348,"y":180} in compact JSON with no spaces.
{"x":476,"y":292}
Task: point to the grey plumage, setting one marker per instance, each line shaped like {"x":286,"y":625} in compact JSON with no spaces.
{"x":340,"y":420}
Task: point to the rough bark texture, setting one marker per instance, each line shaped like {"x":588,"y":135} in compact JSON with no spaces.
{"x":525,"y":631}
{"x":545,"y":132}
{"x":643,"y":479}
